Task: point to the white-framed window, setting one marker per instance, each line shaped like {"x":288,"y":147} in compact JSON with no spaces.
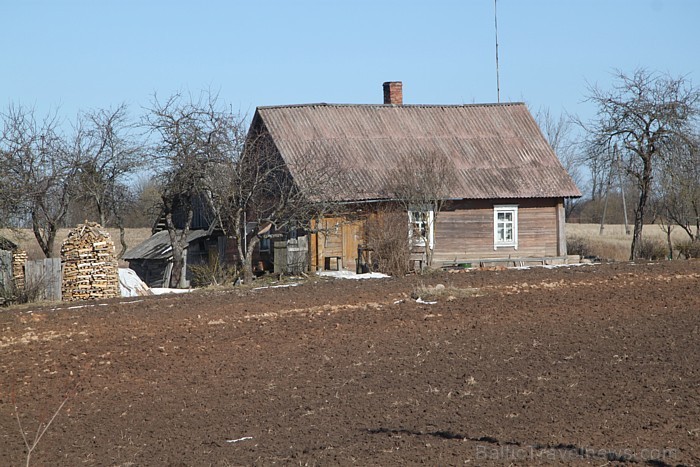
{"x":505,"y":226}
{"x":420,"y":226}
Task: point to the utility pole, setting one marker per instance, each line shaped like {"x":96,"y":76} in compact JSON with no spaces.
{"x":498,"y":79}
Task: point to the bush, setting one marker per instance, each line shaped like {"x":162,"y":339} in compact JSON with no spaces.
{"x":387,"y":236}
{"x":212,"y":273}
{"x":12,"y":295}
{"x":688,"y":248}
{"x":652,"y":249}
{"x":579,"y":246}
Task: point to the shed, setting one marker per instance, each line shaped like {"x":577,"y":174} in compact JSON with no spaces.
{"x":152,"y":259}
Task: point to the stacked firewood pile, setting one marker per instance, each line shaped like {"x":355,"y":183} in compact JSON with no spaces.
{"x":19,"y":258}
{"x":90,"y":270}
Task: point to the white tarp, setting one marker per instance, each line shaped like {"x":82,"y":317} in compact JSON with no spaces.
{"x":130,"y":285}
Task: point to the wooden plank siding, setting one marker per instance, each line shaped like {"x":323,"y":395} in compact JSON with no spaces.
{"x":464,"y":230}
{"x":337,"y":236}
{"x":44,"y":277}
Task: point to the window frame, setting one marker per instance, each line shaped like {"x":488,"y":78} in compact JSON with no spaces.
{"x":419,"y":241}
{"x":505,"y":208}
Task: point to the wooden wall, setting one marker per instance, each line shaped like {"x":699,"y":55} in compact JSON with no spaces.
{"x":338,"y":236}
{"x":464,"y":230}
{"x":44,"y":276}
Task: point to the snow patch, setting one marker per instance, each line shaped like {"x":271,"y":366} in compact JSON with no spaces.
{"x":239,"y":439}
{"x":293,"y":284}
{"x":420,"y":300}
{"x":553,"y":266}
{"x":163,"y":291}
{"x":345,"y":274}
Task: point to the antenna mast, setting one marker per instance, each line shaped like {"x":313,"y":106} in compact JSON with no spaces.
{"x":498,"y":80}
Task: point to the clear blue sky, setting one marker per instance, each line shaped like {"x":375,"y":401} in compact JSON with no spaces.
{"x":86,"y":54}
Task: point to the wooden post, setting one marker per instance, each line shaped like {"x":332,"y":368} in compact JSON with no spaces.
{"x":561,"y":229}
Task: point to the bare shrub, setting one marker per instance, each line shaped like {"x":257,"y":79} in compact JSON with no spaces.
{"x":652,"y":249}
{"x":30,"y":444}
{"x":387,"y":235}
{"x":688,"y":249}
{"x":33,"y":291}
{"x":579,"y":246}
{"x":599,"y":248}
{"x":10,"y":294}
{"x":7,"y":296}
{"x":212,"y":273}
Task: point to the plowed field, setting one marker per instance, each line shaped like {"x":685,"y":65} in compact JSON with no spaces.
{"x":580,"y":365}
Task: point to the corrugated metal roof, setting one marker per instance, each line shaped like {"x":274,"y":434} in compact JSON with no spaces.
{"x":158,"y":246}
{"x":497,"y":149}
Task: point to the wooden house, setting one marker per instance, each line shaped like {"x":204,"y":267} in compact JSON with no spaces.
{"x":508,"y":199}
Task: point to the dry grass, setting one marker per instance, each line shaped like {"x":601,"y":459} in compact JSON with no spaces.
{"x":25,"y":239}
{"x":440,"y":291}
{"x":614,"y":244}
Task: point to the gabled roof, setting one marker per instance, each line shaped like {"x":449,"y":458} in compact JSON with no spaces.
{"x":497,"y":149}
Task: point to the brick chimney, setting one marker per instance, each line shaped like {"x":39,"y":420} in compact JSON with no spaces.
{"x":393,"y":93}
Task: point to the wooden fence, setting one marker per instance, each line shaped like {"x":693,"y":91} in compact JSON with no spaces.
{"x":43,"y":278}
{"x":5,"y":269}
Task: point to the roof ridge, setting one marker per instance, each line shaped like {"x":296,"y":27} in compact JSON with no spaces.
{"x":325,"y":104}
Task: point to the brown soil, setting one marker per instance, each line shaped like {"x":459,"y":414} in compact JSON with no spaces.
{"x":582,"y":365}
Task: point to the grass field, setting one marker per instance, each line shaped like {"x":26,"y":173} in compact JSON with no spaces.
{"x":614,"y":244}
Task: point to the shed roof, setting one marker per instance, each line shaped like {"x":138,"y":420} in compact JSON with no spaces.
{"x":157,"y":246}
{"x":7,"y":244}
{"x":497,"y":149}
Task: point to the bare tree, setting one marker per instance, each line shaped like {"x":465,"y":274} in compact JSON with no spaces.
{"x":422,"y":183}
{"x":110,"y":154}
{"x":678,"y":188}
{"x":144,"y":202}
{"x":191,"y":138}
{"x":256,"y":186}
{"x":40,"y":167}
{"x":645,"y":115}
{"x":559,"y":134}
